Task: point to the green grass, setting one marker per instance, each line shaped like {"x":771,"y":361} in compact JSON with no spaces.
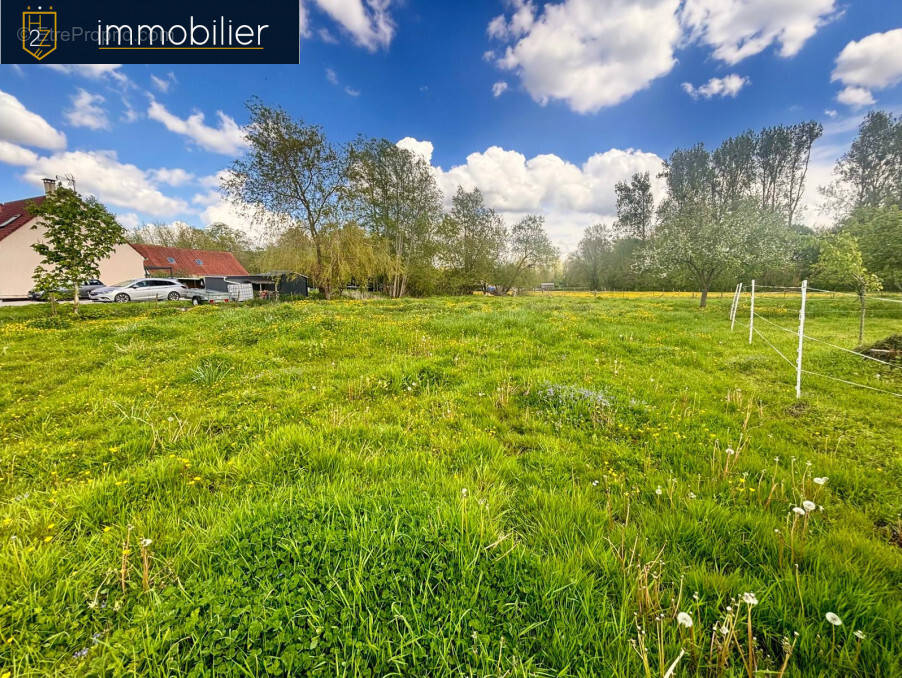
{"x":470,"y":486}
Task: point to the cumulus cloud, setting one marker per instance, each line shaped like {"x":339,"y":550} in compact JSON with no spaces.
{"x":737,"y":29}
{"x":872,"y":63}
{"x":570,"y":196}
{"x":87,"y":111}
{"x":588,"y":53}
{"x":727,"y":86}
{"x":421,"y":148}
{"x":856,"y":97}
{"x":228,"y":138}
{"x":499,"y":88}
{"x":172,"y":176}
{"x":12,"y":154}
{"x":368,"y":22}
{"x":18,"y":125}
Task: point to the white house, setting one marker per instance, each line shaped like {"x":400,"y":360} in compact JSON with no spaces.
{"x":18,"y":260}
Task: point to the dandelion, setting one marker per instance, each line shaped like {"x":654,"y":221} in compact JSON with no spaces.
{"x":692,"y":495}
{"x":859,"y":634}
{"x":594,"y":483}
{"x":808,"y":505}
{"x":798,"y":510}
{"x":730,"y":451}
{"x":835,"y":621}
{"x":146,"y":542}
{"x":464,"y":492}
{"x":683,"y":619}
{"x":749,"y":598}
{"x":658,"y":491}
{"x":821,"y":481}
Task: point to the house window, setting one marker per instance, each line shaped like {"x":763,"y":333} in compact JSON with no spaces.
{"x":10,"y":220}
{"x":199,"y":262}
{"x":171,"y":260}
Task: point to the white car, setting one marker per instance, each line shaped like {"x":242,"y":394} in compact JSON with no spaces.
{"x":141,"y":289}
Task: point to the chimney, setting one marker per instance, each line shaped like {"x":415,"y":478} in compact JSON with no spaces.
{"x":49,"y":186}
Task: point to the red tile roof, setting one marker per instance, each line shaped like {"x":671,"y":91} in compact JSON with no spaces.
{"x":184,"y":261}
{"x":18,"y":209}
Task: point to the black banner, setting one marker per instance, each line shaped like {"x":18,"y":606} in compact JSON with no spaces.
{"x":164,"y":32}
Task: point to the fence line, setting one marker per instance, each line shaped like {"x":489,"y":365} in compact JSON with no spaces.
{"x":869,"y":297}
{"x":802,"y":336}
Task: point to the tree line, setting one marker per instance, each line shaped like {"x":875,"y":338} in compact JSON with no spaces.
{"x":371,"y":213}
{"x":733,"y":213}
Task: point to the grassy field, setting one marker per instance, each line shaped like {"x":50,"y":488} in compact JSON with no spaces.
{"x":470,"y":486}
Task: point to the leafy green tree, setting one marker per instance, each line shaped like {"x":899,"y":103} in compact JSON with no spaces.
{"x":529,"y":249}
{"x":396,"y":197}
{"x":695,"y":240}
{"x":635,"y":206}
{"x":869,"y":174}
{"x":587,"y":263}
{"x":78,"y":233}
{"x":878,"y":231}
{"x":473,"y":238}
{"x":840,"y":263}
{"x":293,"y":176}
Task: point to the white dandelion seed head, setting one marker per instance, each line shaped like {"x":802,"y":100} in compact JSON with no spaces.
{"x":683,"y":619}
{"x":594,"y":483}
{"x":821,"y":481}
{"x":834,"y":619}
{"x":859,"y":634}
{"x":809,"y":505}
{"x":749,"y":598}
{"x":730,"y":450}
{"x":146,"y":542}
{"x":692,"y":495}
{"x":658,"y":491}
{"x":798,"y":510}
{"x":464,"y":492}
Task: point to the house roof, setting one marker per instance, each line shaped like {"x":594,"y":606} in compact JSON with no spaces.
{"x":189,"y":262}
{"x":16,"y":213}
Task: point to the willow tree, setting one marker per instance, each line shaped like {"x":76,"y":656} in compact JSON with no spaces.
{"x":295,"y":178}
{"x":396,"y":197}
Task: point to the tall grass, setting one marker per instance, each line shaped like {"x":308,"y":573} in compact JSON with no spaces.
{"x":542,"y":486}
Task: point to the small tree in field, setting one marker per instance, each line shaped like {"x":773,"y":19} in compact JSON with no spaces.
{"x":840,"y":263}
{"x":78,"y":234}
{"x":529,"y":248}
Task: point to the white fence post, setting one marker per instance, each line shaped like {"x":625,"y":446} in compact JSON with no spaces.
{"x":801,"y":339}
{"x":752,"y":313}
{"x":735,"y":308}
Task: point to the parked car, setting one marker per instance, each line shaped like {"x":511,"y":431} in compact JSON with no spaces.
{"x":84,"y":291}
{"x":141,"y":289}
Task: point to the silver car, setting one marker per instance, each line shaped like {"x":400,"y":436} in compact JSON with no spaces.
{"x":141,"y":289}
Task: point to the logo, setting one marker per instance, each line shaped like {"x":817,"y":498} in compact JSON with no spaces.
{"x":39,"y":32}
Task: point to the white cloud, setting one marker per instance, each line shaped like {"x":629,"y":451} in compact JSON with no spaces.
{"x":588,"y":53}
{"x":11,"y":154}
{"x":228,"y":138}
{"x":727,"y":86}
{"x":368,"y":22}
{"x":830,"y":113}
{"x":570,"y":196}
{"x":326,"y":36}
{"x":86,"y":111}
{"x":874,"y":62}
{"x":331,"y":76}
{"x":172,"y":176}
{"x":129,"y":220}
{"x":92,"y":71}
{"x":737,"y":29}
{"x":21,"y":126}
{"x":855,"y":97}
{"x":421,"y":148}
{"x":351,"y":92}
{"x":163,"y":84}
{"x":499,"y":88}
{"x":98,"y":173}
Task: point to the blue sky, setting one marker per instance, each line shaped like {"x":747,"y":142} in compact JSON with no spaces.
{"x":543,"y":106}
